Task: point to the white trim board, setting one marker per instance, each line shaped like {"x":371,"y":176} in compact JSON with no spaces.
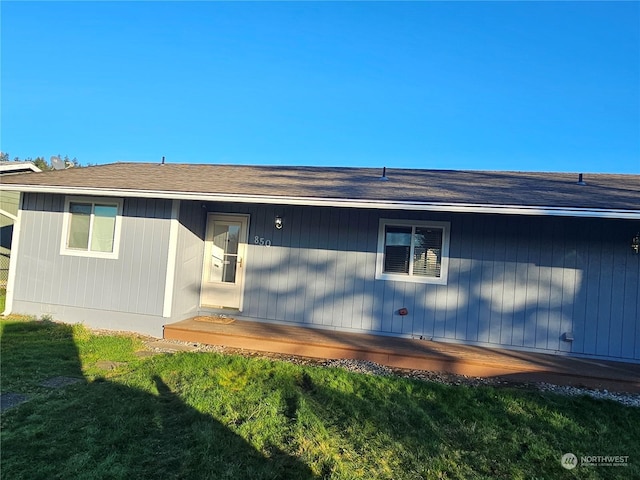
{"x":8,"y":215}
{"x":13,"y":260}
{"x":172,"y":255}
{"x":339,"y":202}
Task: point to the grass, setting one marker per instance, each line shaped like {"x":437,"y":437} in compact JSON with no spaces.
{"x":3,"y":298}
{"x":206,"y":415}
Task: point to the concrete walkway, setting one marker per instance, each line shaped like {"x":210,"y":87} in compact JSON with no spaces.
{"x":509,"y":365}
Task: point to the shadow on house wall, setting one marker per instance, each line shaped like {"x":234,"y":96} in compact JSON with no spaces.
{"x":513,"y":280}
{"x":530,"y":282}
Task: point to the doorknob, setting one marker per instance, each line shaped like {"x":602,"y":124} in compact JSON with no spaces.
{"x":240,"y":261}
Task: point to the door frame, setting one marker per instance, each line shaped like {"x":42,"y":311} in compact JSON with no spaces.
{"x":242,"y":240}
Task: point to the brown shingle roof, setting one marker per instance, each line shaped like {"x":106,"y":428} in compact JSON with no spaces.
{"x":602,"y":191}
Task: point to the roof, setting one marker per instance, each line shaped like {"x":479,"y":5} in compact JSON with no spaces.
{"x":538,"y":193}
{"x":12,"y":167}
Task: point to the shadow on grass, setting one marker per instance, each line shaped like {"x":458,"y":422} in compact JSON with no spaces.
{"x":344,"y":425}
{"x":103,"y":429}
{"x":440,"y":431}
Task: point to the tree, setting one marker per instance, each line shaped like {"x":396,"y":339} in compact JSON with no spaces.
{"x":41,"y":163}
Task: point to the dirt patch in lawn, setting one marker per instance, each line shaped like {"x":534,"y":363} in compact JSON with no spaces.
{"x":108,"y":364}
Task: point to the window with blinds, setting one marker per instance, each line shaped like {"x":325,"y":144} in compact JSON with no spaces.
{"x":413,"y":251}
{"x":91,"y":227}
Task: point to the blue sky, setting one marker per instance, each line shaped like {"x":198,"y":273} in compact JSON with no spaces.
{"x":549,"y":86}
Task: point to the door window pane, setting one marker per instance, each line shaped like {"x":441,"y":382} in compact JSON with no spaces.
{"x":232,"y":239}
{"x":229,"y":273}
{"x":224,"y":253}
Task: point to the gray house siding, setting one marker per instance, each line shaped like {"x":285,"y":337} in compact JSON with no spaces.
{"x":100,"y":292}
{"x":189,"y":258}
{"x":514,"y":281}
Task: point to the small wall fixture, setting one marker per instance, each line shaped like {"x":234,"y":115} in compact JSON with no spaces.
{"x":635,"y":243}
{"x":403,"y":312}
{"x":278,"y":223}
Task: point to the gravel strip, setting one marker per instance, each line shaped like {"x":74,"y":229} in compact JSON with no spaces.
{"x":628,"y":399}
{"x":372,"y":368}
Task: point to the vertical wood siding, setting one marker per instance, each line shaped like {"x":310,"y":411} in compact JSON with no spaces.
{"x":188,"y":272}
{"x":513,"y":281}
{"x":133,"y":283}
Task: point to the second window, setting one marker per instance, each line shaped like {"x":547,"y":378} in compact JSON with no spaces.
{"x":413,"y":251}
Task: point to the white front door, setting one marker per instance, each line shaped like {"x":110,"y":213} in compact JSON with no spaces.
{"x":225,"y":248}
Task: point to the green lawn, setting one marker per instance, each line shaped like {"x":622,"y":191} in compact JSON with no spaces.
{"x":3,"y":297}
{"x":207,"y":415}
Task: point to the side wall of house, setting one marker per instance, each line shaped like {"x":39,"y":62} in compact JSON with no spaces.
{"x":514,"y":281}
{"x":123,"y":294}
{"x":8,"y":211}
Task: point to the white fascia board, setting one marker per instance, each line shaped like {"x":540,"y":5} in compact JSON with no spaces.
{"x":338,"y":202}
{"x":19,"y":167}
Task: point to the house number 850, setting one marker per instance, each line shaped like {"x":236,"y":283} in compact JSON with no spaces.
{"x":261,"y":241}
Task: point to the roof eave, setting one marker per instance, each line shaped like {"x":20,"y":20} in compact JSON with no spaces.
{"x":26,"y":167}
{"x":336,"y":202}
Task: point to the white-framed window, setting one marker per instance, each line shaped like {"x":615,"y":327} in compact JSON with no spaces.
{"x":91,"y":227}
{"x":413,"y":251}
